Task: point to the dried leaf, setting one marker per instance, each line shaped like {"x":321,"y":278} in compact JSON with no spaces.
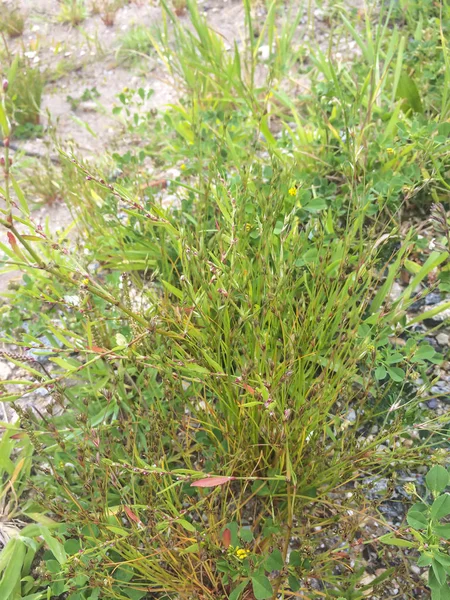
{"x":226,"y":538}
{"x":130,"y":514}
{"x":211,"y":482}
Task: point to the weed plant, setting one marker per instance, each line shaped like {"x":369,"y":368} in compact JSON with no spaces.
{"x":135,"y":43}
{"x":23,"y":97}
{"x":214,"y":369}
{"x":72,"y":12}
{"x":12,"y":20}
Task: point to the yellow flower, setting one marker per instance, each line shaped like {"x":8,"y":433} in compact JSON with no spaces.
{"x":292,"y":191}
{"x":248,"y":227}
{"x":241,"y":553}
{"x":183,"y":167}
{"x":390,"y":151}
{"x":85,"y":281}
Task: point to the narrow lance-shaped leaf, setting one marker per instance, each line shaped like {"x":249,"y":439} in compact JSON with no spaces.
{"x":211,"y":482}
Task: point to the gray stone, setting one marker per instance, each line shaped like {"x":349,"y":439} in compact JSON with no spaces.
{"x":5,"y":370}
{"x":433,"y":298}
{"x":443,"y":339}
{"x":351,"y":416}
{"x":88,"y":106}
{"x":396,"y":291}
{"x":443,"y":315}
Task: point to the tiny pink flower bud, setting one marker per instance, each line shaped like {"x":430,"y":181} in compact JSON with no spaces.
{"x":5,"y":85}
{"x":6,"y":142}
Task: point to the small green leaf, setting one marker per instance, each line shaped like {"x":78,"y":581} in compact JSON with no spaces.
{"x":53,"y":566}
{"x":444,"y":559}
{"x":172,"y":289}
{"x":262,"y":588}
{"x":188,"y":526}
{"x":316,"y":205}
{"x":295,"y":559}
{"x":192,"y":549}
{"x":423,"y":352}
{"x":121,"y":340}
{"x":407,"y":90}
{"x":424,"y":560}
{"x":380,"y":373}
{"x":437,"y":479}
{"x":390,"y":539}
{"x":444,"y":592}
{"x":440,"y":507}
{"x":442,"y":531}
{"x":417,"y":520}
{"x":236,"y":593}
{"x":55,"y":546}
{"x":294,"y":583}
{"x":439,"y":571}
{"x":15,"y":550}
{"x":396,"y":374}
{"x":274,"y":561}
{"x":246,"y":534}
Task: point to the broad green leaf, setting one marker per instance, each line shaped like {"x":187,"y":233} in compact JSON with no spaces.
{"x":407,"y":90}
{"x":423,"y":352}
{"x":439,"y":571}
{"x":316,"y":205}
{"x":246,"y":534}
{"x":295,"y":559}
{"x":444,"y":592}
{"x":274,"y":562}
{"x":442,"y":531}
{"x":237,"y":592}
{"x":294,"y":583}
{"x":437,"y":479}
{"x":440,"y":507}
{"x":380,"y":372}
{"x":262,"y":588}
{"x":55,"y":546}
{"x":417,"y":520}
{"x":12,"y":571}
{"x":444,"y":559}
{"x":424,"y":560}
{"x":396,"y":374}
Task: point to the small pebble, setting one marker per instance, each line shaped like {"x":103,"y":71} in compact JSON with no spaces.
{"x":443,"y":339}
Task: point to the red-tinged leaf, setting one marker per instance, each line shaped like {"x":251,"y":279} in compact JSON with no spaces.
{"x":226,"y":538}
{"x":98,"y":349}
{"x":18,"y":436}
{"x":15,"y":247}
{"x":95,"y":438}
{"x":157,"y":183}
{"x":130,"y":514}
{"x":211,"y":482}
{"x":249,"y":389}
{"x":11,"y":239}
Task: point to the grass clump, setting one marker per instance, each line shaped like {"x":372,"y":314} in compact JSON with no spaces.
{"x":223,"y":375}
{"x":24,"y":96}
{"x":135,"y":43}
{"x":12,"y":21}
{"x":72,"y":12}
